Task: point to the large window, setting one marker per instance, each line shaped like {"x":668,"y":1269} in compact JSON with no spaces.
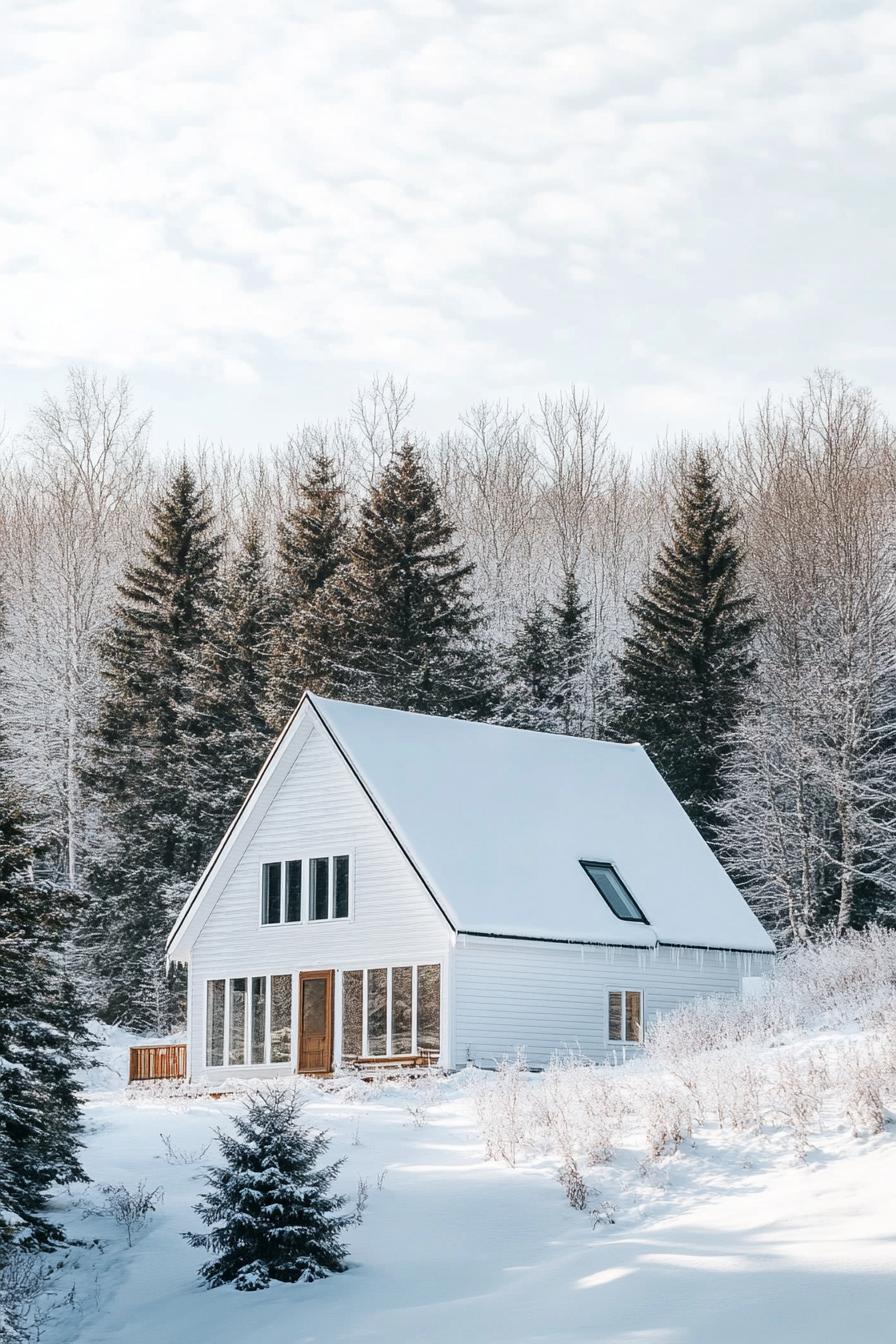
{"x":625,"y":1016}
{"x":429,"y":993}
{"x":283,"y":889}
{"x":281,"y":1019}
{"x":253,"y":1015}
{"x":402,"y":1010}
{"x":258,"y":1017}
{"x":377,"y":1017}
{"x":214,"y":1022}
{"x":238,"y":1004}
{"x":391,"y":1010}
{"x":352,"y":1014}
{"x":613,"y":889}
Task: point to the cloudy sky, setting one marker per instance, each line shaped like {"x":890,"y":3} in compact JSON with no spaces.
{"x":252,"y":209}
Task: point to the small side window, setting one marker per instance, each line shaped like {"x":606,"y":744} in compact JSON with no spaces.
{"x":613,"y":889}
{"x":625,"y":1016}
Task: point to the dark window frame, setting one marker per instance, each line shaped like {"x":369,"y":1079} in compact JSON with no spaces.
{"x":587,"y":865}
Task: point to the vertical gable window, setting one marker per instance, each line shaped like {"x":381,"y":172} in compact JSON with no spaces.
{"x":625,"y":1017}
{"x":340,"y":886}
{"x":271,"y":881}
{"x":320,"y":889}
{"x":214,"y":1023}
{"x":293,"y":891}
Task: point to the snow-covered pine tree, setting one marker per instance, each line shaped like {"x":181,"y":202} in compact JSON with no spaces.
{"x":42,"y":1036}
{"x":687,"y":664}
{"x":139,"y":775}
{"x":230,"y":736}
{"x":572,"y":640}
{"x":312,"y":544}
{"x":268,"y":1208}
{"x":397,"y":624}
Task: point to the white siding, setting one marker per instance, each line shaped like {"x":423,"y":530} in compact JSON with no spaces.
{"x":547,"y":997}
{"x":319,"y":807}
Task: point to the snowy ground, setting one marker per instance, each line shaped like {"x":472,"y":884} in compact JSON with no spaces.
{"x":725,"y":1242}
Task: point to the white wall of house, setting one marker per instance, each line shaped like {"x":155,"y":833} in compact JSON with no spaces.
{"x":549,"y":997}
{"x":321,"y":809}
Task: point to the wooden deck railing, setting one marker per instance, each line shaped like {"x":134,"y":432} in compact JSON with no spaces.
{"x":157,"y":1061}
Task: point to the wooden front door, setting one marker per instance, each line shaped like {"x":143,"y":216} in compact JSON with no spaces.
{"x":315,"y":1021}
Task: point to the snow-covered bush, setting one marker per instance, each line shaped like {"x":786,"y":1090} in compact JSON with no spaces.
{"x":864,"y":1077}
{"x":181,"y":1157}
{"x":832,"y":983}
{"x":573,"y":1182}
{"x":131,"y":1208}
{"x":26,"y":1302}
{"x":268,"y":1208}
{"x":798,"y":1086}
{"x":669,"y":1118}
{"x":502,"y":1104}
{"x":580,"y":1108}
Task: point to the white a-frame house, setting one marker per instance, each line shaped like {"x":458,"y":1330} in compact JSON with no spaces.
{"x":399,"y":886}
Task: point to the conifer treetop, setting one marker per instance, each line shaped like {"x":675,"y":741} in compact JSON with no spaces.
{"x":176,"y":577}
{"x":687,"y":663}
{"x":400,"y":620}
{"x":311,"y":539}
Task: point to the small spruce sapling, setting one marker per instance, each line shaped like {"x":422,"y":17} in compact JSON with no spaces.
{"x":268,"y":1209}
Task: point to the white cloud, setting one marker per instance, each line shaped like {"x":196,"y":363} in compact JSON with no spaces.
{"x":444,"y":187}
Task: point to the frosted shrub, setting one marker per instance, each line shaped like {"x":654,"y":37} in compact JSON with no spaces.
{"x":846,"y":979}
{"x":131,"y":1208}
{"x":862,"y":1076}
{"x":669,"y":1119}
{"x":362,"y":1196}
{"x":181,"y":1157}
{"x":733,"y":1086}
{"x":27,"y":1302}
{"x":833,"y":982}
{"x":580,"y":1108}
{"x":798,"y":1090}
{"x":501,"y":1109}
{"x":573,"y":1183}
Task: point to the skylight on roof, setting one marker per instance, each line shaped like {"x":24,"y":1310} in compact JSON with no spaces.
{"x":614,"y":891}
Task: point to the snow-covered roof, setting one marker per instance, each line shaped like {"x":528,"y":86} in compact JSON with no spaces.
{"x":497,"y":819}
